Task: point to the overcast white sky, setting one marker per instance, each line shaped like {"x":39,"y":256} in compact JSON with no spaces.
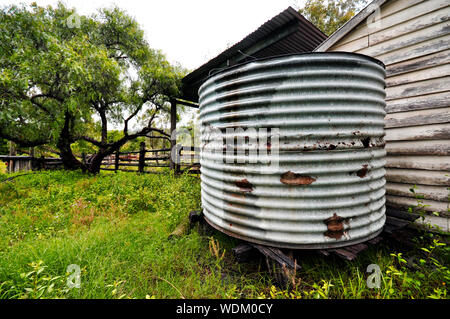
{"x":189,"y":32}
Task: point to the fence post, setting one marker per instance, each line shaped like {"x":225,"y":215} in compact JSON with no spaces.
{"x":116,"y":161}
{"x":142,"y":157}
{"x":42,"y":163}
{"x":173,"y":128}
{"x":83,"y":161}
{"x":178,"y":163}
{"x":12,"y":152}
{"x":31,"y":163}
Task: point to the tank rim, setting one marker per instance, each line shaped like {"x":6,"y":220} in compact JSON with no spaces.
{"x":337,"y":53}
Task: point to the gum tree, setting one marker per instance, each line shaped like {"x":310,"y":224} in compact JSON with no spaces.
{"x":61,"y":75}
{"x":330,"y":15}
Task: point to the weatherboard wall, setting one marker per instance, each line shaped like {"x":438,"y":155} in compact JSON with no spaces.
{"x":412,"y":38}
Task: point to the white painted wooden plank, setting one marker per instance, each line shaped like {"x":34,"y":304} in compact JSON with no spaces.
{"x":419,"y":75}
{"x":423,"y":132}
{"x":437,"y":193}
{"x":418,"y":176}
{"x":391,"y":12}
{"x":412,"y":38}
{"x":420,"y":117}
{"x":405,"y":202}
{"x":386,"y":13}
{"x":418,"y":88}
{"x":434,"y":163}
{"x":409,"y":20}
{"x":392,"y":7}
{"x":438,"y":223}
{"x":423,"y":62}
{"x":361,"y":17}
{"x":359,"y":32}
{"x":416,"y":50}
{"x":426,"y":101}
{"x":364,"y":18}
{"x":434,"y":147}
{"x":352,"y":46}
{"x":395,"y":6}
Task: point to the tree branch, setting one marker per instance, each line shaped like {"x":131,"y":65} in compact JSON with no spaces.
{"x":143,"y":132}
{"x":41,"y":107}
{"x":24,"y":142}
{"x":102,"y":114}
{"x":50,"y":96}
{"x":125,"y":129}
{"x":91,"y":140}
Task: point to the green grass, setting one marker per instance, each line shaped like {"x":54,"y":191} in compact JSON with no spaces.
{"x":115,"y":227}
{"x":2,"y":167}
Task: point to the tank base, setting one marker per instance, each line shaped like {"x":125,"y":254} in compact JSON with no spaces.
{"x":337,"y":244}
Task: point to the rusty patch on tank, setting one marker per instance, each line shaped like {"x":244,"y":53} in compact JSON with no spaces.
{"x":335,"y":226}
{"x":366,"y":142}
{"x":244,"y":185}
{"x":291,"y":178}
{"x":331,"y":147}
{"x":363,"y":171}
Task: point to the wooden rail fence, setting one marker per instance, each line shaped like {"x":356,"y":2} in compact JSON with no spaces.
{"x":186,"y":160}
{"x":30,"y":163}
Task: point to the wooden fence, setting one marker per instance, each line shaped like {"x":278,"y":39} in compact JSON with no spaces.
{"x":30,"y":163}
{"x":186,"y":160}
{"x":143,"y":161}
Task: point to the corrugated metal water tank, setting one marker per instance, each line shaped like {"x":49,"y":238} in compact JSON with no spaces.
{"x":321,"y":183}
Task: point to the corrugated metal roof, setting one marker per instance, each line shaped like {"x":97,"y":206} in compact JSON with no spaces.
{"x":287,"y":32}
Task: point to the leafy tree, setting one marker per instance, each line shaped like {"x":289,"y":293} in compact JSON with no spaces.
{"x":330,"y":15}
{"x":60,"y":73}
{"x":4,"y":149}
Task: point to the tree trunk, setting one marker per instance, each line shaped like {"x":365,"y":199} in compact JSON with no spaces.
{"x":69,"y":160}
{"x":95,"y":162}
{"x":63,"y":144}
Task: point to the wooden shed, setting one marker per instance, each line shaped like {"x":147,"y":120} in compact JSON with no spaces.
{"x":412,"y":38}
